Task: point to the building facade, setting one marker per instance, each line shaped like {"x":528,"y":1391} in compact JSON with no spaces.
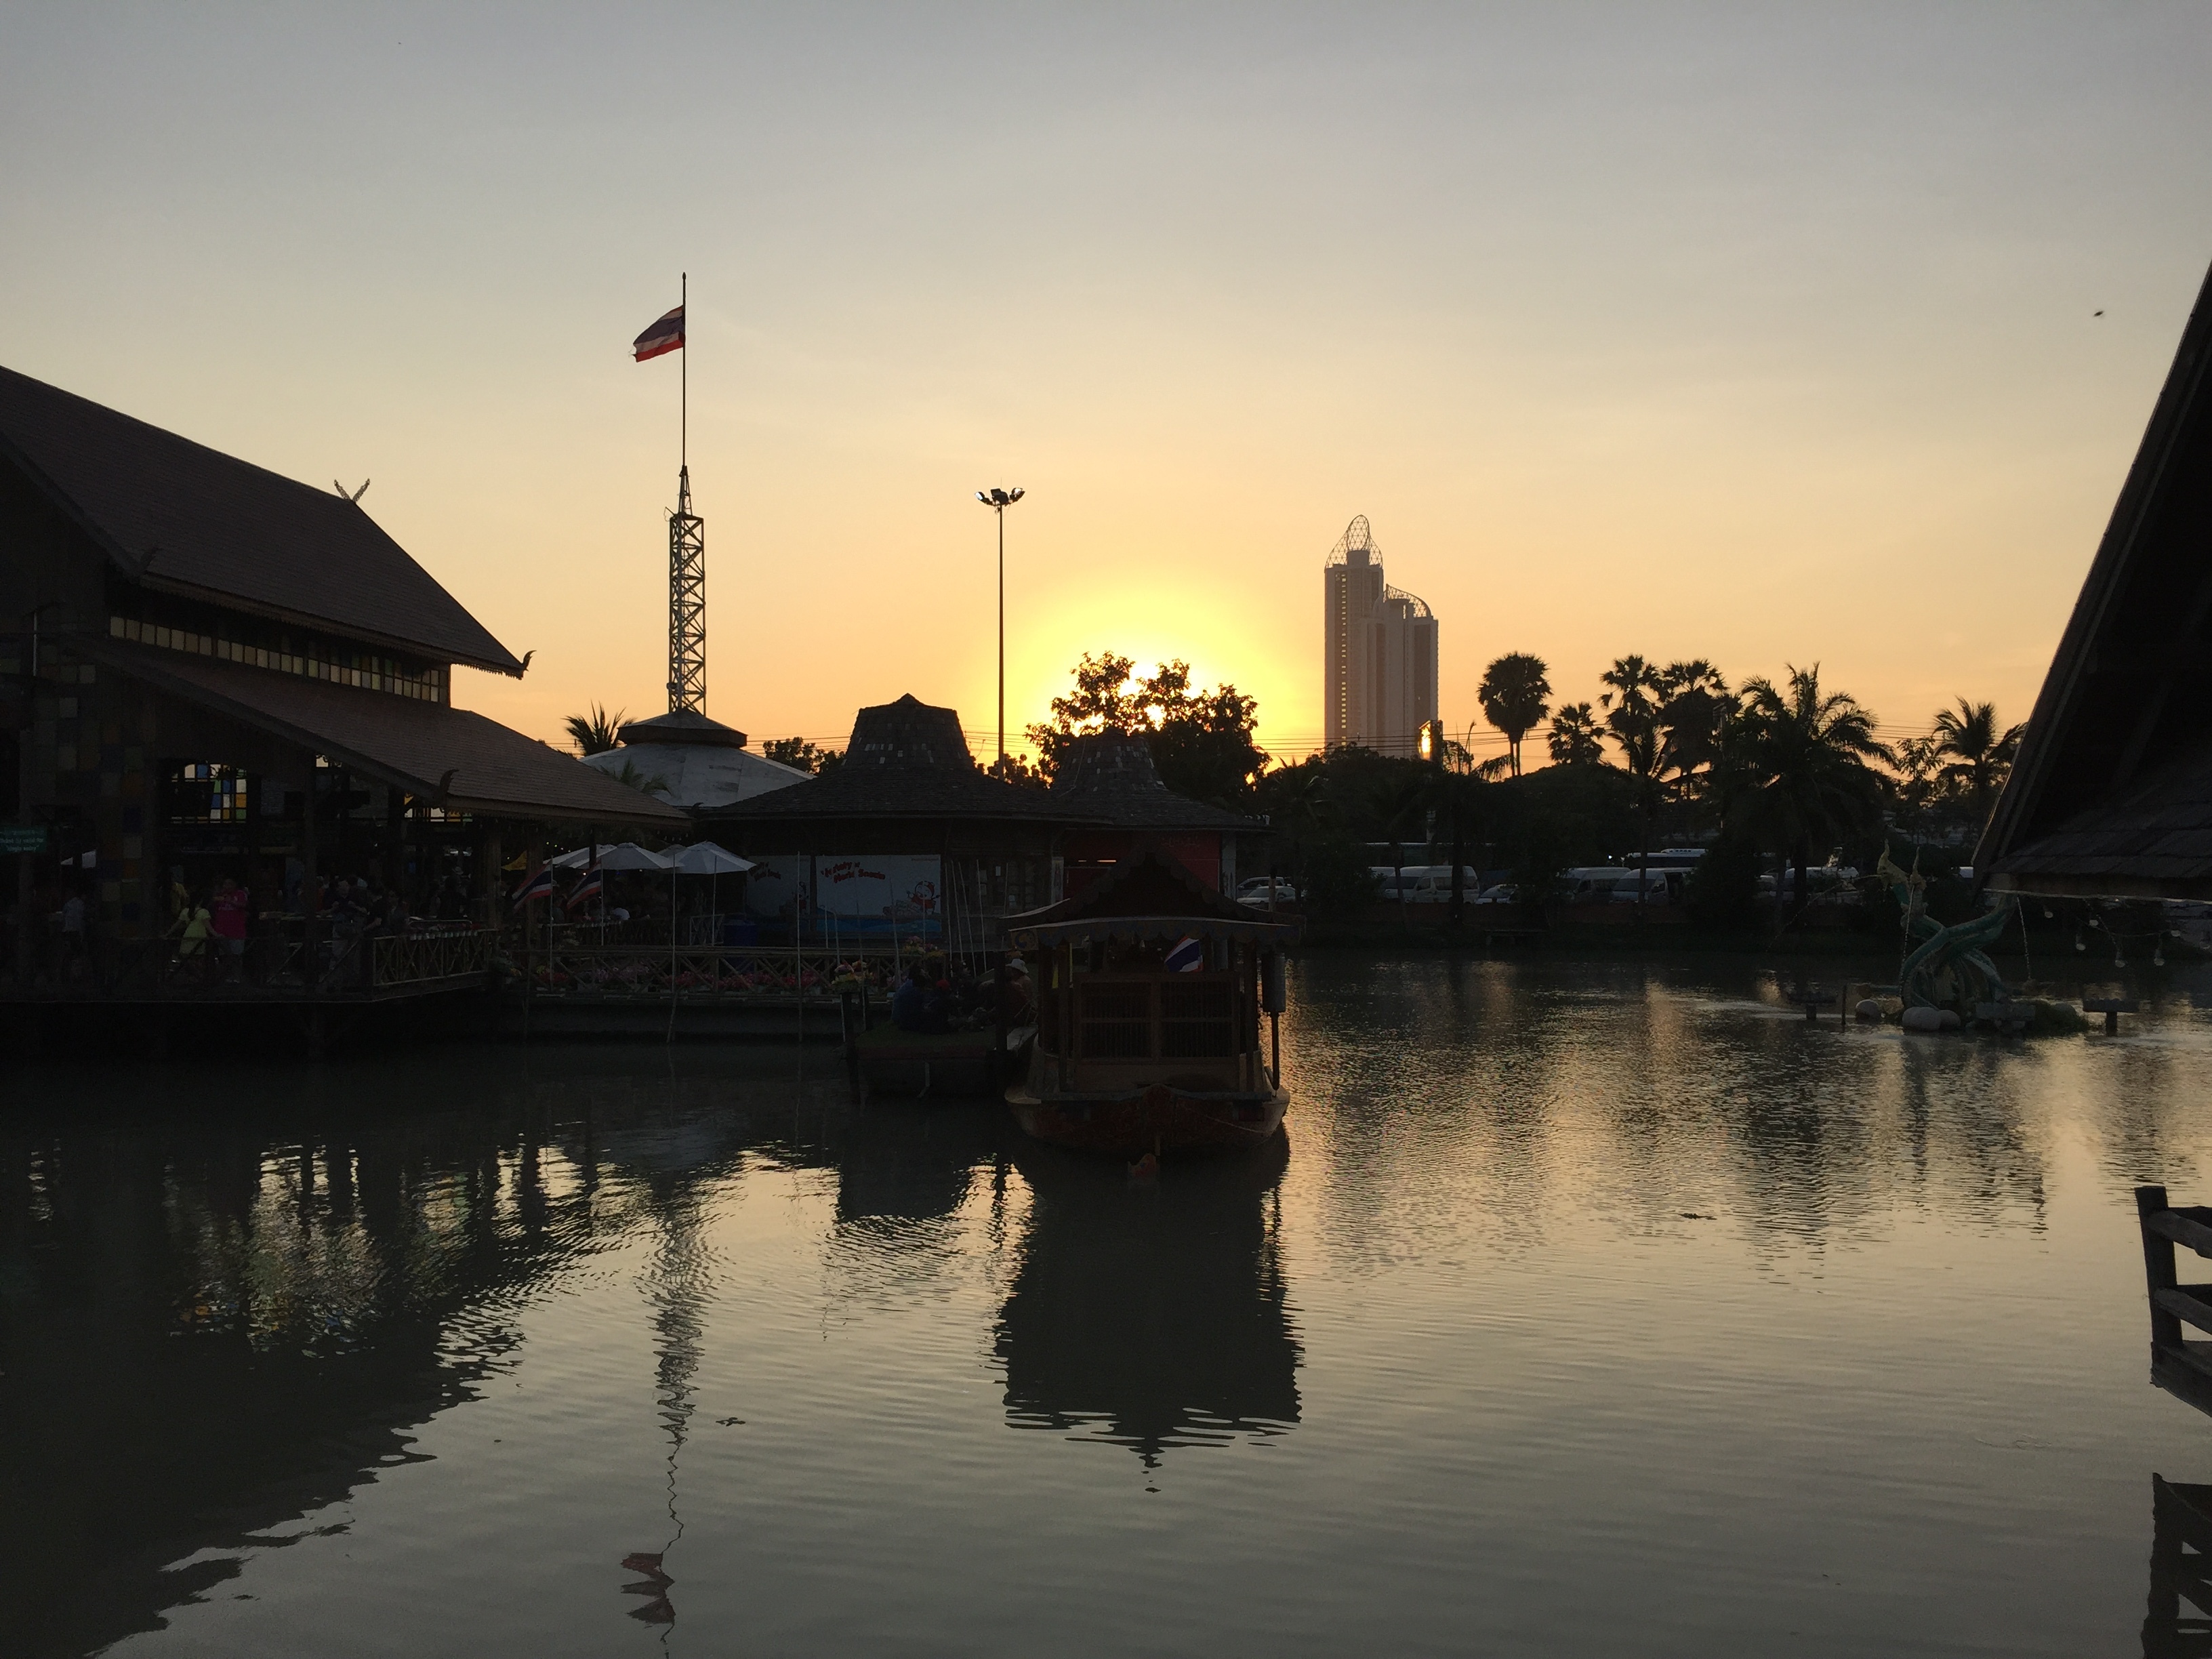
{"x":1378,"y":652}
{"x":211,"y":673}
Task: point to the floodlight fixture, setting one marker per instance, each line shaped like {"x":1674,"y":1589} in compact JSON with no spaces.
{"x":999,"y":501}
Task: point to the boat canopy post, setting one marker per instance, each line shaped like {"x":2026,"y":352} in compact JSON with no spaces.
{"x":1272,"y":999}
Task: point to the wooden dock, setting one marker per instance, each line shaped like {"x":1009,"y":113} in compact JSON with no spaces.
{"x":2178,"y":1365}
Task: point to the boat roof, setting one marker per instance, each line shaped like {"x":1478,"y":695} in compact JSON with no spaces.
{"x":1149,"y":897}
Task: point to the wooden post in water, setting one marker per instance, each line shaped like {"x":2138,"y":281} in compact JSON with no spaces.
{"x":2158,"y":1269}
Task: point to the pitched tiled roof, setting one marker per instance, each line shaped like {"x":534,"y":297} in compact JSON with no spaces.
{"x":493,"y":770}
{"x":1109,"y":776}
{"x":179,"y":516}
{"x":905,"y":760}
{"x":2109,"y":793}
{"x":2152,"y":839}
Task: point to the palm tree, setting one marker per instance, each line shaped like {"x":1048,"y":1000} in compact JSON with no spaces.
{"x":1972,"y":756}
{"x":1632,"y":705}
{"x":1300,"y":804}
{"x":1576,"y":739}
{"x":1802,"y":766}
{"x":1512,"y":695}
{"x":596,"y":732}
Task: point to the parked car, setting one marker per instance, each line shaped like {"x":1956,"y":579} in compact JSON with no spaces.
{"x":1432,"y":883}
{"x":1255,"y":892}
{"x":1504,"y":892}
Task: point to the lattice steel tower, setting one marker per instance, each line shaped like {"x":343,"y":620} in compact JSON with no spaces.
{"x":687,"y":602}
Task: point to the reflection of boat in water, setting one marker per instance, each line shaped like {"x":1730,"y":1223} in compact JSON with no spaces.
{"x":1150,"y":991}
{"x":1150,"y":1314}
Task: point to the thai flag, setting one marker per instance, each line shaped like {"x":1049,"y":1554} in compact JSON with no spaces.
{"x":594,"y":884}
{"x":537,"y":887}
{"x":666,"y":335}
{"x":1186,"y":955}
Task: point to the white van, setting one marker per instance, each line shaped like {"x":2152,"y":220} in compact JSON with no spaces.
{"x":1613,"y":884}
{"x":1432,"y":883}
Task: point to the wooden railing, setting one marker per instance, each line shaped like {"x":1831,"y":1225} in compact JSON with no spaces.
{"x":426,"y":959}
{"x":620,"y":971}
{"x":2182,"y":1367}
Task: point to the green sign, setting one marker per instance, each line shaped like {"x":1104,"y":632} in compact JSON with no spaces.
{"x":22,"y":838}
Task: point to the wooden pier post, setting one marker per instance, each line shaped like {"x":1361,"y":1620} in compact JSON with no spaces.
{"x":2157,"y":1268}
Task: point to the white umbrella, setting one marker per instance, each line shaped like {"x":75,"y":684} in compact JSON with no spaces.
{"x":706,"y":858}
{"x":624,"y":855}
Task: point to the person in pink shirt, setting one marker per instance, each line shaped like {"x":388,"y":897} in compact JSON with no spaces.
{"x":230,"y":908}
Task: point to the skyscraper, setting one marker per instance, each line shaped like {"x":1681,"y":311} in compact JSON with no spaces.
{"x":1378,"y":652}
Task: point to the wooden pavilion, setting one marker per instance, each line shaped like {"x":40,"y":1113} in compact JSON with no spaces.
{"x":211,"y":671}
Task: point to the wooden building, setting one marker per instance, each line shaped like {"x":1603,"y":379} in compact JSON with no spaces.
{"x":1110,"y":779}
{"x":207,"y":670}
{"x":2111,"y":793}
{"x":908,"y":789}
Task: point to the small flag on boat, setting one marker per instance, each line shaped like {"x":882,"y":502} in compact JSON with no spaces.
{"x":666,"y":335}
{"x":1186,"y":955}
{"x":537,"y":887}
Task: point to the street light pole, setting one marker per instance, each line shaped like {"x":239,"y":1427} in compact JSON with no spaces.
{"x":999,"y":501}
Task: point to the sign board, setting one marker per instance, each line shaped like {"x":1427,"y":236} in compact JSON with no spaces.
{"x":835,"y":895}
{"x":22,"y":838}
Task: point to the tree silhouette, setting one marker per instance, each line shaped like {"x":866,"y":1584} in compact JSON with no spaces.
{"x":1802,"y":766}
{"x":1971,"y":756}
{"x":596,"y":732}
{"x":1576,"y":737}
{"x":1513,"y":695}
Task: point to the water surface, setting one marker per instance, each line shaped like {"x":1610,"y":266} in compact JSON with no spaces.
{"x":1584,"y":1308}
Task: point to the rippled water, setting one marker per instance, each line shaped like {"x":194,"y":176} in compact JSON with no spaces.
{"x":1586,"y":1309}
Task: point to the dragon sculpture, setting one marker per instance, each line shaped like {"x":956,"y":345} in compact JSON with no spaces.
{"x":1947,"y":967}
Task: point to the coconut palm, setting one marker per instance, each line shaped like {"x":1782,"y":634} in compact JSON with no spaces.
{"x":1512,"y":695}
{"x":1632,"y":701}
{"x":1971,"y":756}
{"x":596,"y":732}
{"x":1576,"y":738}
{"x":1802,"y":766}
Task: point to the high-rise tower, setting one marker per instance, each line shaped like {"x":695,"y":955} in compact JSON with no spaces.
{"x":1378,"y":652}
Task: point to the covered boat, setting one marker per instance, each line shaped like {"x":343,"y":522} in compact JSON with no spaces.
{"x":1149,"y":987}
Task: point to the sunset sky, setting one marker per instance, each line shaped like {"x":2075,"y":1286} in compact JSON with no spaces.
{"x":1765,"y":335}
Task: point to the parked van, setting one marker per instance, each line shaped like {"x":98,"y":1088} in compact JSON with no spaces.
{"x":1613,"y":884}
{"x":1432,"y":883}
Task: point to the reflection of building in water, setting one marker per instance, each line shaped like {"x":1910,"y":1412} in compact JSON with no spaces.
{"x":2180,"y":1568}
{"x":1151,"y":1315}
{"x":205,"y":1333}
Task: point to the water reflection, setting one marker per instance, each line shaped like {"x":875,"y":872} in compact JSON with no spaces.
{"x":204,"y":1334}
{"x":1151,"y":1313}
{"x":2180,"y":1571}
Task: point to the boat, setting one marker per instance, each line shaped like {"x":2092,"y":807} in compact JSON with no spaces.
{"x":1150,"y":987}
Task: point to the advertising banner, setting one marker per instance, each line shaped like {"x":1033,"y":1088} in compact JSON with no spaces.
{"x":866,"y":895}
{"x":848,"y":894}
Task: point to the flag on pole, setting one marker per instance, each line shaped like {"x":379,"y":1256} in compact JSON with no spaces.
{"x":666,"y":335}
{"x":537,"y":887}
{"x":593,"y":884}
{"x":1186,"y":955}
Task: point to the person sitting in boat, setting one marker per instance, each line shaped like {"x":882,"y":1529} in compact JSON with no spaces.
{"x":907,"y":1000}
{"x":918,"y":1004}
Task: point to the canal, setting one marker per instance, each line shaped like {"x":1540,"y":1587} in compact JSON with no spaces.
{"x":1587,"y":1308}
